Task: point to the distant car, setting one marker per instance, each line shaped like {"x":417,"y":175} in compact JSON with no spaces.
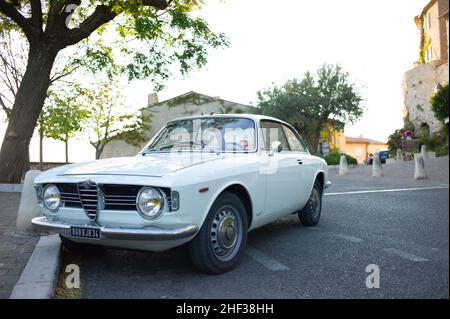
{"x":206,"y":180}
{"x":383,"y":156}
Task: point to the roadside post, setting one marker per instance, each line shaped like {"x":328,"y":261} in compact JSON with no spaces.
{"x":419,"y":171}
{"x":424,"y":152}
{"x":28,"y":208}
{"x":343,"y":166}
{"x":399,"y":156}
{"x":377,"y":170}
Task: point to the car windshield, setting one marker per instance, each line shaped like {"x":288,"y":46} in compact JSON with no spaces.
{"x":207,"y":134}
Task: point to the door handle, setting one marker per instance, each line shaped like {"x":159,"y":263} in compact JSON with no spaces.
{"x":300,"y":162}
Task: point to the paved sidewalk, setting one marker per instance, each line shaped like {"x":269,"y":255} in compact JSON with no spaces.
{"x":15,"y":250}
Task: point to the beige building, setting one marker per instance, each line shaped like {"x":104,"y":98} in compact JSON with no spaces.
{"x":159,"y":113}
{"x":431,"y":70}
{"x":360,"y":147}
{"x":433,"y":32}
{"x":444,"y":18}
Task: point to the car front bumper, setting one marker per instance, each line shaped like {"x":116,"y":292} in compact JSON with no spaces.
{"x":146,"y":233}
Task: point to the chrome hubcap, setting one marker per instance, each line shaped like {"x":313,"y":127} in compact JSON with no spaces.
{"x":226,"y":233}
{"x":315,"y":201}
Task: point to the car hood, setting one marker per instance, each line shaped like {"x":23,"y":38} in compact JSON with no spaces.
{"x":156,"y":165}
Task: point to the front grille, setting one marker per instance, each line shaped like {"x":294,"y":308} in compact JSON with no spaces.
{"x":102,"y":197}
{"x":69,"y":195}
{"x":120,"y":197}
{"x":88,"y":194}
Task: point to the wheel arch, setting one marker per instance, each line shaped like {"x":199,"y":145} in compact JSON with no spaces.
{"x":320,"y":175}
{"x":240,"y":191}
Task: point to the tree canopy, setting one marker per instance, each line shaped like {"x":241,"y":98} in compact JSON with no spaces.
{"x":139,"y":39}
{"x":309,"y":103}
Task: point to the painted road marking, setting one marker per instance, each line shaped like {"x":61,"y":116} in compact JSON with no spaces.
{"x":387,"y":190}
{"x":349,"y":238}
{"x":265,"y":260}
{"x":405,"y":255}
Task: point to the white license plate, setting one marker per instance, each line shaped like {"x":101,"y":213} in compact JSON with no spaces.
{"x":85,"y":232}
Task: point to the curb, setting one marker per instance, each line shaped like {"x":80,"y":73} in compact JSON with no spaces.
{"x":38,"y":279}
{"x":11,"y":188}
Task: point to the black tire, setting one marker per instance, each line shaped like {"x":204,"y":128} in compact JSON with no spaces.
{"x":74,"y":247}
{"x":310,"y":214}
{"x":225,"y":225}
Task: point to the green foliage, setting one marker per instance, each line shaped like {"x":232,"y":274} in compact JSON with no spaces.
{"x":148,"y":43}
{"x":313,"y":101}
{"x":138,"y":39}
{"x":63,"y":115}
{"x":334,"y":158}
{"x":442,"y":150}
{"x":107,"y":118}
{"x":408,"y":125}
{"x":395,"y":141}
{"x":439,"y":105}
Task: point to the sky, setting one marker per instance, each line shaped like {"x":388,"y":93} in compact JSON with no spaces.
{"x":376,"y":42}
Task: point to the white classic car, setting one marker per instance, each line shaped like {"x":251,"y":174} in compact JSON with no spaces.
{"x":206,"y":180}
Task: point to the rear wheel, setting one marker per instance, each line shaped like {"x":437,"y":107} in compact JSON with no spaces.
{"x":310,"y":214}
{"x":220,"y":242}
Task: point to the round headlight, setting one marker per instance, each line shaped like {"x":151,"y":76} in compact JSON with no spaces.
{"x":52,"y":197}
{"x":150,"y":202}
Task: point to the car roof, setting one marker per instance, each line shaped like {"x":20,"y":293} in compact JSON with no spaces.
{"x":255,"y":117}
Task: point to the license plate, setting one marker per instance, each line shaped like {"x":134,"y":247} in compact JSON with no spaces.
{"x":85,"y":232}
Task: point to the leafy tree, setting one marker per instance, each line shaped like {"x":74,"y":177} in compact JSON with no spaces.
{"x":13,"y":60}
{"x":439,"y":105}
{"x":106,"y":120}
{"x":145,"y":37}
{"x":313,"y":101}
{"x":395,"y":141}
{"x":63,"y":117}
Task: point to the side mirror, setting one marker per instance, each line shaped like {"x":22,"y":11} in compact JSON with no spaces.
{"x":275,"y":147}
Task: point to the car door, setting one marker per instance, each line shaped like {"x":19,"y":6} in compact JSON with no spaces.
{"x":282,"y":181}
{"x":303,"y":173}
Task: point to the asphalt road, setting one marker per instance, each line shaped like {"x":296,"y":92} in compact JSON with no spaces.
{"x":405,"y":233}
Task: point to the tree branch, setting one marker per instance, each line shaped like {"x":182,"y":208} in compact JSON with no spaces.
{"x":8,"y":10}
{"x":102,"y":15}
{"x":4,"y":107}
{"x":36,"y":14}
{"x":158,"y":4}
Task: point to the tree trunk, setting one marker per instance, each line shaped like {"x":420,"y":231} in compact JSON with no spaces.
{"x":98,"y":152}
{"x":41,"y":156}
{"x":27,"y":106}
{"x":67,"y":150}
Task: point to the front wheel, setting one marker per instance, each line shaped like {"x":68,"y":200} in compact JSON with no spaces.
{"x":310,"y":214}
{"x":221,"y":240}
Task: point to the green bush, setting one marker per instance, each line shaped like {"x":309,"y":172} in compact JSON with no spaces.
{"x":333,"y":158}
{"x":432,"y":142}
{"x":442,"y":150}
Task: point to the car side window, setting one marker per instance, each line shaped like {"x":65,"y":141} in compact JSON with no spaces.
{"x":273,"y":131}
{"x":294,"y":142}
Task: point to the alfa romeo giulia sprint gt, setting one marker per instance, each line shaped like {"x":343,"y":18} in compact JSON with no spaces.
{"x":202,"y":180}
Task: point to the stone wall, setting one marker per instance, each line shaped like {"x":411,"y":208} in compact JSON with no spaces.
{"x":418,"y":86}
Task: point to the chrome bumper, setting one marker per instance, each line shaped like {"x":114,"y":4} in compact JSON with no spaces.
{"x":153,"y":233}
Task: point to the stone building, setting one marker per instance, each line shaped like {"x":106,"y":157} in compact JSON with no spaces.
{"x":159,"y":113}
{"x":431,"y":70}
